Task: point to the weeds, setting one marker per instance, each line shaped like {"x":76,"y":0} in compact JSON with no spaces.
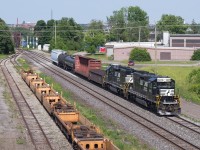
{"x":20,"y":140}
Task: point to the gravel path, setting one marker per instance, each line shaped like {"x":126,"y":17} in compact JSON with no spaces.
{"x":13,"y":134}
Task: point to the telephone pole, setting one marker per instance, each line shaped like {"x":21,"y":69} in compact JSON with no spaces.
{"x":55,"y":34}
{"x":155,"y":49}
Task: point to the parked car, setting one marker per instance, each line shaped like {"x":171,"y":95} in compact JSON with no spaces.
{"x":131,"y":63}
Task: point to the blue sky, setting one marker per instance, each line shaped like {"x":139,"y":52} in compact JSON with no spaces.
{"x":83,"y":11}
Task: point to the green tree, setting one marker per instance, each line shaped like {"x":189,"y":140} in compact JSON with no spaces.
{"x":40,"y":32}
{"x":195,"y":27}
{"x":127,"y":23}
{"x":95,"y":36}
{"x":6,"y":42}
{"x":139,"y":54}
{"x":70,"y":32}
{"x":194,"y":81}
{"x":50,"y":30}
{"x":196,"y":55}
{"x":138,"y":22}
{"x":173,"y":24}
{"x":117,"y":24}
{"x":24,"y":32}
{"x":60,"y":44}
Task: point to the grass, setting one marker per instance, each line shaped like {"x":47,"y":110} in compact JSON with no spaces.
{"x":8,"y":100}
{"x":162,"y":62}
{"x":20,"y":140}
{"x":180,"y":75}
{"x":20,"y":128}
{"x":23,"y":63}
{"x":99,"y":56}
{"x":2,"y":56}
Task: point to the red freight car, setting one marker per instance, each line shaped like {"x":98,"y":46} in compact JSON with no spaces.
{"x":83,"y":65}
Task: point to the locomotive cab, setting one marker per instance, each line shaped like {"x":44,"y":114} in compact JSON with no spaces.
{"x":163,"y":86}
{"x":157,"y":92}
{"x":167,"y":103}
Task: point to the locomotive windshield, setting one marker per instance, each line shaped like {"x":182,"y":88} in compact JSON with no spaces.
{"x":165,"y":84}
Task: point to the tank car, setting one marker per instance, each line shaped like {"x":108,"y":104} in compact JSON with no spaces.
{"x":66,"y":61}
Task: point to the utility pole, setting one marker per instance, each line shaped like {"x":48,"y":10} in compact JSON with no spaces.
{"x":55,"y":34}
{"x":155,"y":49}
{"x":139,"y":35}
{"x":27,"y":43}
{"x":51,"y":14}
{"x":33,"y":43}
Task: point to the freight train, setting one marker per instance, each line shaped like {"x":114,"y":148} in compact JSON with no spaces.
{"x":79,"y":131}
{"x":153,"y":91}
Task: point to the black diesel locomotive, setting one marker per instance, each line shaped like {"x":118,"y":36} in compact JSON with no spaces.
{"x":151,"y":90}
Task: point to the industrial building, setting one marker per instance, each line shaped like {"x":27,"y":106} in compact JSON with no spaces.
{"x":179,"y":47}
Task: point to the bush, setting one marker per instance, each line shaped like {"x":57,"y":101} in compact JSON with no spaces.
{"x":139,"y":54}
{"x":194,"y":81}
{"x":91,"y":49}
{"x":196,"y":55}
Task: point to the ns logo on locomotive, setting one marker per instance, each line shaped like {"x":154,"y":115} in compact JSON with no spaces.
{"x":153,"y":91}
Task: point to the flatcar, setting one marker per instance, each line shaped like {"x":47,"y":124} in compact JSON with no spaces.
{"x":79,"y":131}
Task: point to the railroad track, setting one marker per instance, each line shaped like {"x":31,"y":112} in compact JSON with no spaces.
{"x":186,"y":124}
{"x":174,"y":139}
{"x":37,"y":135}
